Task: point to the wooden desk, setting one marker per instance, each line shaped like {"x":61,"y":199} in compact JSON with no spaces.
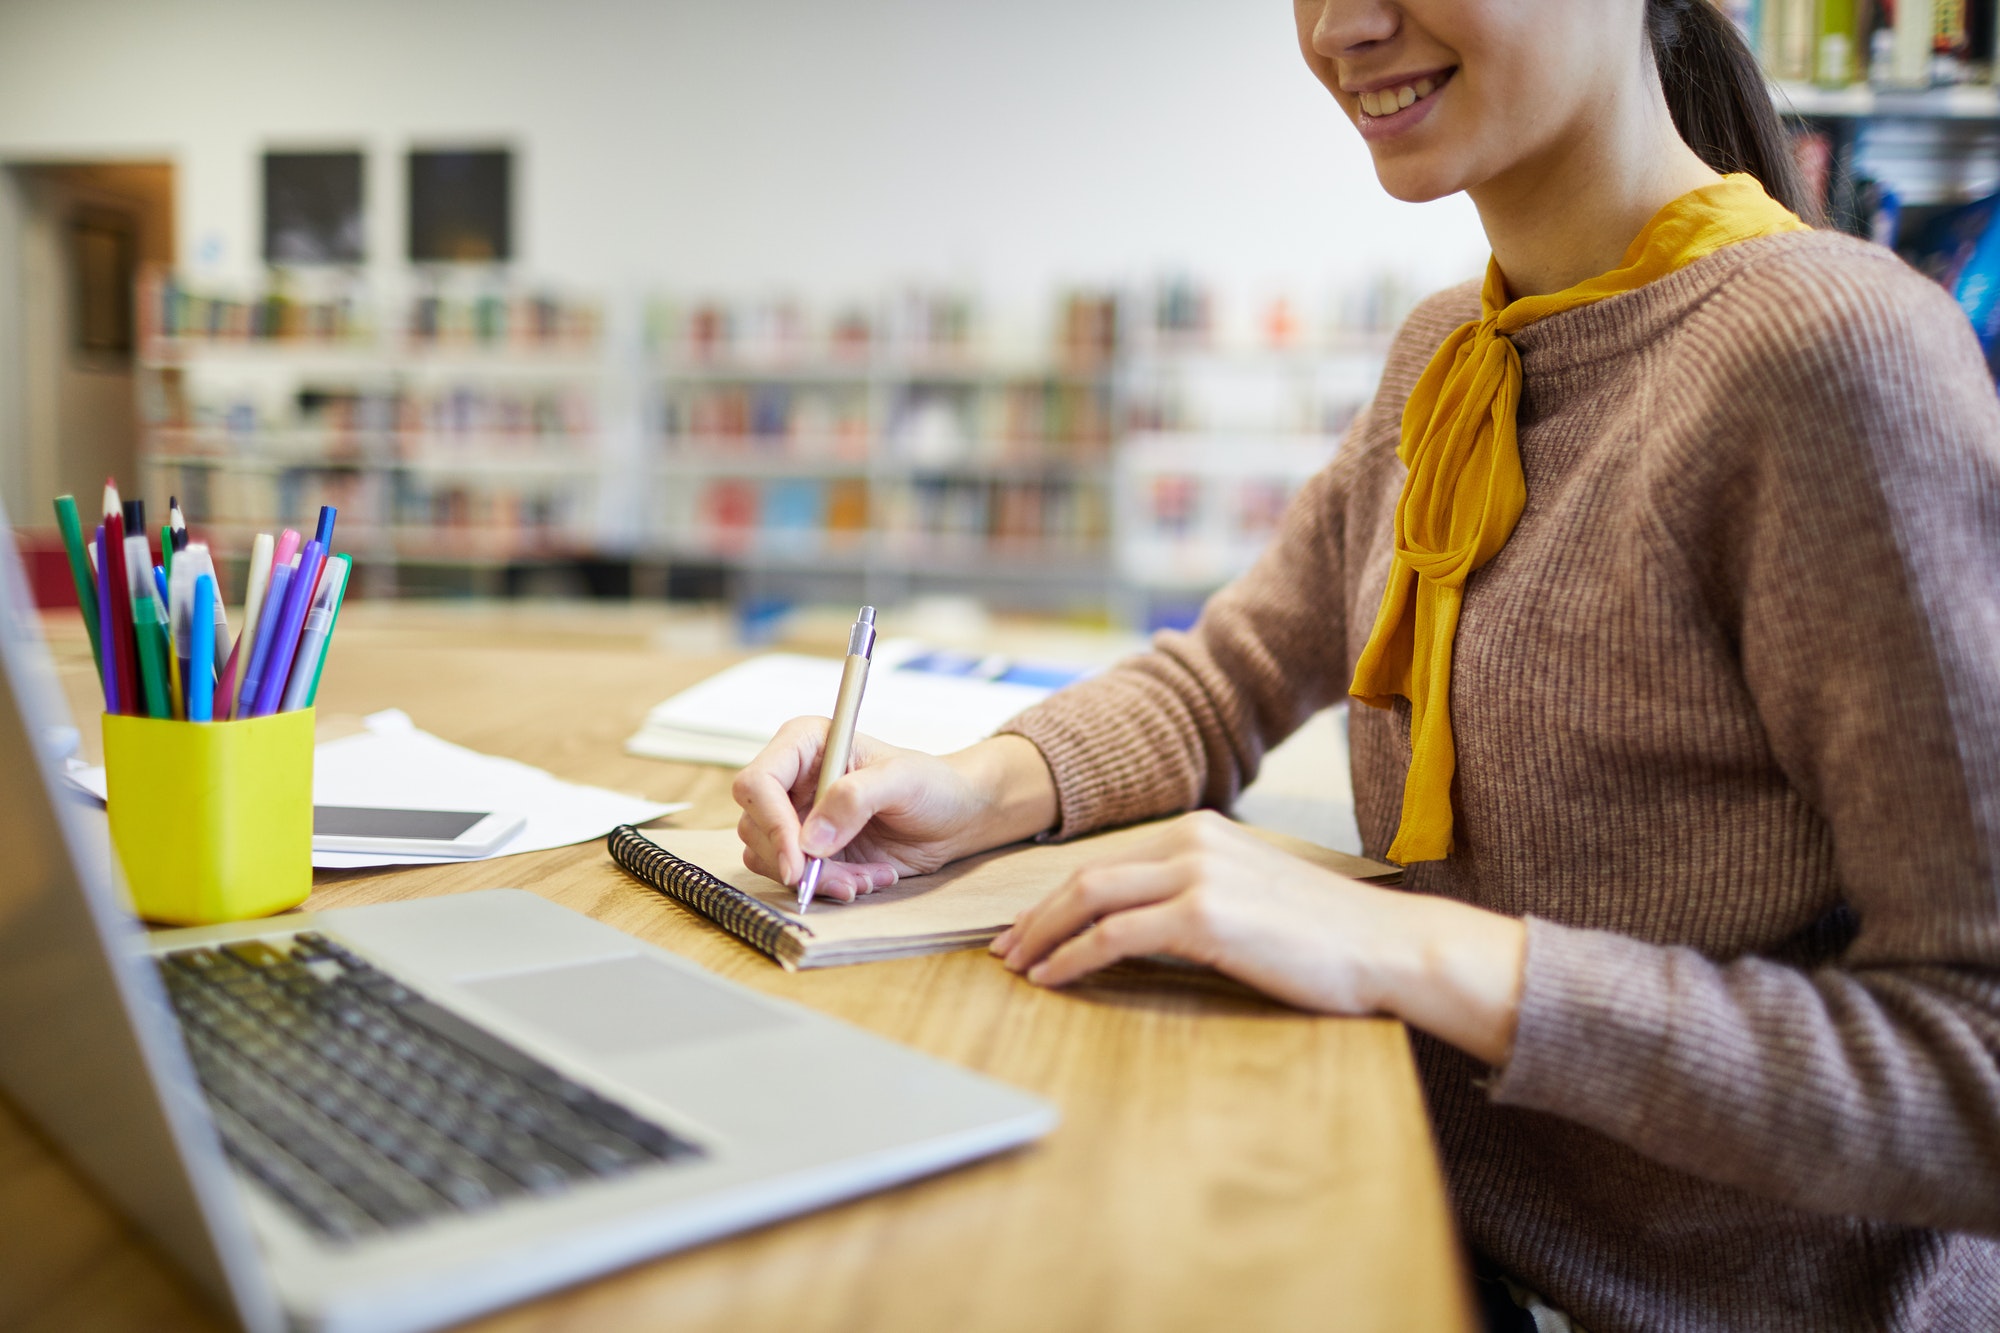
{"x":1220,"y":1163}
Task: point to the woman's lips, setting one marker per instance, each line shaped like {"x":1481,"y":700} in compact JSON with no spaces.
{"x":1390,"y":110}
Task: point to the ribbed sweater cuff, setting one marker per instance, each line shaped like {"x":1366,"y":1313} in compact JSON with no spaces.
{"x":1082,"y":784}
{"x":1595,"y":1008}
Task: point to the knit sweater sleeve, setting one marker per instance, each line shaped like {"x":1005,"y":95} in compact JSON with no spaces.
{"x":1852,"y":553}
{"x":1187,"y":723}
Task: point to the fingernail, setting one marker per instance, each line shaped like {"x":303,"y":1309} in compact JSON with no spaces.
{"x":1038,"y":973}
{"x":818,"y":837}
{"x":1000,"y":943}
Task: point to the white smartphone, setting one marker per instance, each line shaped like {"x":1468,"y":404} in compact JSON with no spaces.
{"x":441,"y":833}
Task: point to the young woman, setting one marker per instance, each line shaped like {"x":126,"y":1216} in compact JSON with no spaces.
{"x":1669,"y":560}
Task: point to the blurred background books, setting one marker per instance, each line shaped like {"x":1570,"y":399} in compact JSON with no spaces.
{"x":1042,"y":311}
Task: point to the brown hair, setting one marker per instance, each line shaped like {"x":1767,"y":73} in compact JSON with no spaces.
{"x":1715,"y":90}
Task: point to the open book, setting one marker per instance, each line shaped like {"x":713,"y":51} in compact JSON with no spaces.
{"x":965,"y":904}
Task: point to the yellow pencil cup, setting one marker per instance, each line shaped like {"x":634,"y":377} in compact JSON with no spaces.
{"x":212,"y":820}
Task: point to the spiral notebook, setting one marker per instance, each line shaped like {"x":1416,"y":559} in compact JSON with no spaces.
{"x":964,"y":905}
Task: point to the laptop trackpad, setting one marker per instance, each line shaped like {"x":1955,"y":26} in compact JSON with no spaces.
{"x":623,"y":1005}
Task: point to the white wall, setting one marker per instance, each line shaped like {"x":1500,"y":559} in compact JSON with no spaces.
{"x":829,"y":147}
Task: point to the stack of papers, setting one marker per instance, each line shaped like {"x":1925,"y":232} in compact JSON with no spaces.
{"x":918,"y":698}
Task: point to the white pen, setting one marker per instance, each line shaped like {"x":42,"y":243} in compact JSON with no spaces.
{"x":312,"y":639}
{"x":840,"y":735}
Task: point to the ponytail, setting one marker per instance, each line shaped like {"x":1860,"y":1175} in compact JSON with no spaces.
{"x":1715,"y":90}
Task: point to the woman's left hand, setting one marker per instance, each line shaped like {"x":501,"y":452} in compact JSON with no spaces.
{"x":1209,"y":891}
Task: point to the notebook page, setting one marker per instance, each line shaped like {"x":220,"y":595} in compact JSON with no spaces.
{"x":965,"y":903}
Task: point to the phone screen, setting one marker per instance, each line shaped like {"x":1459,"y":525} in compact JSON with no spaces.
{"x":354,"y":821}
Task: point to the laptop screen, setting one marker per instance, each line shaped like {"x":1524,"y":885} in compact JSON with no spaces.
{"x":87,"y":1046}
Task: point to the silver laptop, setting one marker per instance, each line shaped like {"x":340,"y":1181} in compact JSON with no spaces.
{"x":396,"y":1117}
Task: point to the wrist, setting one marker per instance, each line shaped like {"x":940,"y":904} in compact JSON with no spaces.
{"x":1014,"y":793}
{"x":1459,"y":977}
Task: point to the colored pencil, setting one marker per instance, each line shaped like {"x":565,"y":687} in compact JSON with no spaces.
{"x":79,"y":573}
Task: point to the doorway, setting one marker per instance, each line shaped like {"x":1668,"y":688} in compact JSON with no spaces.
{"x":74,"y":237}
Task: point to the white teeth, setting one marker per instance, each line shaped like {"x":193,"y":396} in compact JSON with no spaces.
{"x":1389,"y":101}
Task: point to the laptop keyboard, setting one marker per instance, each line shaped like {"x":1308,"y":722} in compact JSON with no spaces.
{"x":366,"y":1108}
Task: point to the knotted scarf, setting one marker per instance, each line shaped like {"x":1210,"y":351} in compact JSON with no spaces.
{"x":1464,"y":490}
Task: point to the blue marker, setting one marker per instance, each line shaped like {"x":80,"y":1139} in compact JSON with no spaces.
{"x":201,"y":652}
{"x":324,"y":534}
{"x":267,"y":630}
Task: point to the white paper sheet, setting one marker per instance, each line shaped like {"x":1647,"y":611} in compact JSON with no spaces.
{"x":727,"y":718}
{"x":393,"y":765}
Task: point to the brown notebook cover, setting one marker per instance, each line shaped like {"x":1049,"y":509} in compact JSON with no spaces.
{"x":965,"y":904}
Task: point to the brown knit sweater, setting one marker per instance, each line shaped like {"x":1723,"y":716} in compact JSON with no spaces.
{"x":1727,"y":710}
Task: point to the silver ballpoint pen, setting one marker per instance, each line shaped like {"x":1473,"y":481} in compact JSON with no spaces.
{"x":840,"y":735}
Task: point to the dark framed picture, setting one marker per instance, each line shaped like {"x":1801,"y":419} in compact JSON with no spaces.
{"x":461,"y":206}
{"x":312,"y":208}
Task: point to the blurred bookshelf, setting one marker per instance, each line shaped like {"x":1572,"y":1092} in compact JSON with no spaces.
{"x":1894,"y":113}
{"x":1116,"y":469}
{"x":1895,"y":122}
{"x":1133,"y":467}
{"x":455,"y":430}
{"x":883,"y":452}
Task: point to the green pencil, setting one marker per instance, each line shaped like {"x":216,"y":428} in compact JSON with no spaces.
{"x":80,"y":572}
{"x":167,"y":549}
{"x":153,"y":650}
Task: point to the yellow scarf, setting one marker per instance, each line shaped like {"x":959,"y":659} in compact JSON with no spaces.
{"x":1465,"y":490}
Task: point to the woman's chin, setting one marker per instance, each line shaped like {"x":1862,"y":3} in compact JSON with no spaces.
{"x":1415,"y":182}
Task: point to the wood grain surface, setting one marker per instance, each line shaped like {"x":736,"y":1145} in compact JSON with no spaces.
{"x":1222,"y":1163}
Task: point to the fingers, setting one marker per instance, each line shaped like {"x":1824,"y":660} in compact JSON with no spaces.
{"x":839,"y":881}
{"x":1090,"y":895}
{"x":853,"y":801}
{"x":844,"y":881}
{"x":764,"y":790}
{"x":1156,"y":928}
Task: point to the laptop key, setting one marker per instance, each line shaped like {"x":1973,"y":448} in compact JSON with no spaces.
{"x":363,"y":1107}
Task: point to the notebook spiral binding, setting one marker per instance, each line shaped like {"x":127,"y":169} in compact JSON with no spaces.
{"x":757,"y":924}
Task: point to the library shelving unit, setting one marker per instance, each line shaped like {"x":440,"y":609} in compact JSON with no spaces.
{"x":459,"y":435}
{"x":884,"y":459}
{"x":1129,"y":471}
{"x":1934,"y":148}
{"x":1220,"y":440}
{"x":473,"y":436}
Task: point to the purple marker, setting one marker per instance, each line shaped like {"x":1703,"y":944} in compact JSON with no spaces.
{"x":260,"y":651}
{"x":298,"y":599}
{"x":104,"y":624}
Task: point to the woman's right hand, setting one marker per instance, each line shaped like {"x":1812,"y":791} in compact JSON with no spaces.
{"x":896,"y":812}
